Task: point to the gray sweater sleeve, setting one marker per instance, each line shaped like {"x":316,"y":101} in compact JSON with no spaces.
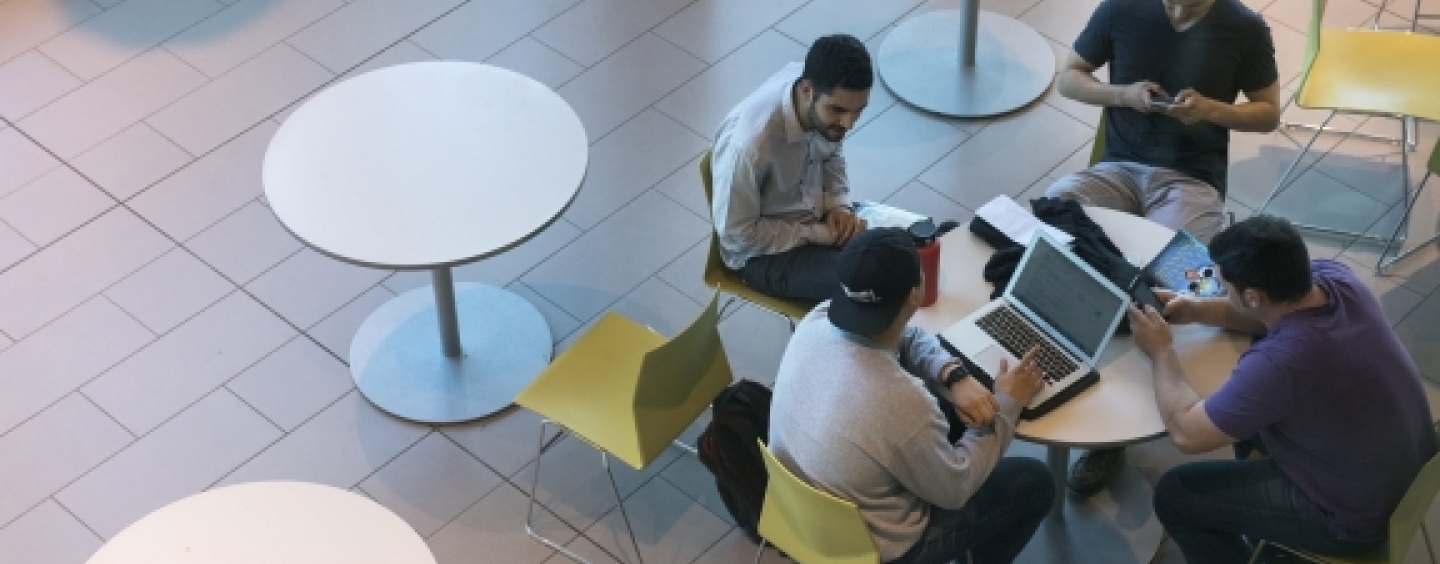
{"x":929,"y":466}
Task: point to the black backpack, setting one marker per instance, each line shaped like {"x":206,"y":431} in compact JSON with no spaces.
{"x":739,"y":416}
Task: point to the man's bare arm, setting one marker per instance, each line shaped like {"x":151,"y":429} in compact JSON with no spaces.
{"x":1260,"y":112}
{"x":1077,"y":82}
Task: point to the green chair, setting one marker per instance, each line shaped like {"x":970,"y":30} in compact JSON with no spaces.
{"x":721,"y":278}
{"x":1372,"y":72}
{"x":627,"y":391}
{"x":810,"y":525}
{"x":1408,"y":518}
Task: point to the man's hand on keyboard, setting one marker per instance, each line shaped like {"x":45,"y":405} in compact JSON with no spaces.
{"x":975,"y":404}
{"x":1022,"y":381}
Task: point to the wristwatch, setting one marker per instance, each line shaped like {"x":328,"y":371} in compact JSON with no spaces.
{"x":955,"y":375}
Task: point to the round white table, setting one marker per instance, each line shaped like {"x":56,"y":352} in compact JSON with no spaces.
{"x":268,"y":523}
{"x":429,"y":166}
{"x":1117,"y":525}
{"x":966,"y":62}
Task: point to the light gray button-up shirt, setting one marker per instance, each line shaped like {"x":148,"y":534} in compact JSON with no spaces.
{"x":773,"y":181}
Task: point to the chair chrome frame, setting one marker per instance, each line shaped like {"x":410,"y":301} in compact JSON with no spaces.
{"x":1408,"y":198}
{"x":1260,"y":548}
{"x":544,"y":446}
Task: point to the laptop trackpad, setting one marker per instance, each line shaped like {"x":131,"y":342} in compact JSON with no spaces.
{"x":989,"y":360}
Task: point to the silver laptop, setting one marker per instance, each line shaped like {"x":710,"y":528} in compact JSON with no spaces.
{"x":1055,"y":300}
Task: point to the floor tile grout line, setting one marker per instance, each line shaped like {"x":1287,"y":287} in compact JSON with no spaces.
{"x":281,"y":437}
{"x":102,"y":295}
{"x":69,"y":512}
{"x":136,"y":440}
{"x":252,"y":407}
{"x":51,"y":60}
{"x":107,"y":414}
{"x":40,"y":42}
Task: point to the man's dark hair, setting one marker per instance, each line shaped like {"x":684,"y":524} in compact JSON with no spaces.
{"x":1266,"y":253}
{"x":838,"y":61}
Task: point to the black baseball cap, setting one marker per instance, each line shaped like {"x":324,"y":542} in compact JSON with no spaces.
{"x":877,"y":270}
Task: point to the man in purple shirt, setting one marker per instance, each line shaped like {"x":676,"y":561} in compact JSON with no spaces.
{"x":1327,"y":391}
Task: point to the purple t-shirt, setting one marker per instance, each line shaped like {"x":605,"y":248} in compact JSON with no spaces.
{"x":1338,"y":403}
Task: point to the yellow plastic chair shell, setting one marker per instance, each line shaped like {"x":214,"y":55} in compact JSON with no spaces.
{"x":810,"y":525}
{"x":1408,"y":518}
{"x":1367,"y":71}
{"x":718,"y":276}
{"x":628,"y":392}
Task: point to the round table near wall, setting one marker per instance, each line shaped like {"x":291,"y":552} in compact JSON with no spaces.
{"x":430,"y":166}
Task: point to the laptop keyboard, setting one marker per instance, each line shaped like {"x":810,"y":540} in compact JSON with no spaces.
{"x":1018,"y":336}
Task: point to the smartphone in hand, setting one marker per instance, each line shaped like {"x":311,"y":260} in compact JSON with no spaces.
{"x":1160,"y":101}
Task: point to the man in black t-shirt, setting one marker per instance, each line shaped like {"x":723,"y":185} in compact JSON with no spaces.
{"x":1166,"y":158}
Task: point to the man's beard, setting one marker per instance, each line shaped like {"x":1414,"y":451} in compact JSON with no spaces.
{"x":829,"y":132}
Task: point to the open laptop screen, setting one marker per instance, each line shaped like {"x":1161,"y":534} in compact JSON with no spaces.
{"x":1072,"y":300}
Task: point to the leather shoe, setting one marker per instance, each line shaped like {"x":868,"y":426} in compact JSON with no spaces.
{"x":1094,"y":468}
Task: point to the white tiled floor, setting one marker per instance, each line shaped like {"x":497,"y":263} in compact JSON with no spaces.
{"x":161,"y":334}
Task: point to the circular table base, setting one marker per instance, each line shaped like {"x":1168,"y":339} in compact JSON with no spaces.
{"x":398,"y":364}
{"x":1116,"y":526}
{"x":920,"y":62}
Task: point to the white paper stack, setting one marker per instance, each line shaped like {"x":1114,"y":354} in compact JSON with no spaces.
{"x":1016,"y":222}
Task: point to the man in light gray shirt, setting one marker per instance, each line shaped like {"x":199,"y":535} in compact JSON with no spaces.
{"x":856,"y":413}
{"x":781,"y":199}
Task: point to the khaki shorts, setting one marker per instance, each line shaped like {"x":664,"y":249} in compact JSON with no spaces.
{"x":1167,"y":197}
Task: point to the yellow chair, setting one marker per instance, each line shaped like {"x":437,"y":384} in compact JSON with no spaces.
{"x":811,"y":525}
{"x":1367,"y":71}
{"x":1408,"y":518}
{"x":720,"y":277}
{"x":628,"y":392}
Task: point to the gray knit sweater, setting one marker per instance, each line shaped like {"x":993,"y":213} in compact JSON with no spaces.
{"x":848,"y":418}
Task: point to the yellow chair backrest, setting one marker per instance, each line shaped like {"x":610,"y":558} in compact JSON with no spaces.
{"x":811,"y":525}
{"x":1097,"y":149}
{"x":679,"y":379}
{"x":1410,"y":512}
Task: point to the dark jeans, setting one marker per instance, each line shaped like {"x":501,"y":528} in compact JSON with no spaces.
{"x":995,"y":524}
{"x":806,"y":272}
{"x":1207,"y":506}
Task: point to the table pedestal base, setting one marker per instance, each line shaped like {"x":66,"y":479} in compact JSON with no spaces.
{"x":920,"y":62}
{"x":1116,"y":526}
{"x":398,"y":362}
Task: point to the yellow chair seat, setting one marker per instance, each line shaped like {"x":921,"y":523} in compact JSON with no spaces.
{"x":1358,"y":70}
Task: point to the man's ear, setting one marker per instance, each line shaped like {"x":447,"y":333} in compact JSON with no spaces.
{"x":1253,"y":297}
{"x":806,"y":88}
{"x":917,"y":296}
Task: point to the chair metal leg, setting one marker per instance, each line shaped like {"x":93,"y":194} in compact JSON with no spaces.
{"x":685,"y":447}
{"x":1397,"y":238}
{"x":541,"y":446}
{"x":620,"y":502}
{"x":759,"y":552}
{"x":1285,"y":178}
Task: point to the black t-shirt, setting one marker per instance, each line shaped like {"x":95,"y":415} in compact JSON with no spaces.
{"x":1227,"y":52}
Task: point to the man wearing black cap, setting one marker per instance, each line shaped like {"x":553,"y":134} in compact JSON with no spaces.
{"x":855,"y":414}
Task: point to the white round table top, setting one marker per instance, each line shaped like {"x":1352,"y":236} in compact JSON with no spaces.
{"x":268,"y":523}
{"x":425,"y":164}
{"x":1120,"y":408}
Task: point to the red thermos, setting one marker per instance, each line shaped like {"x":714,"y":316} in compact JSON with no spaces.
{"x":930,"y":265}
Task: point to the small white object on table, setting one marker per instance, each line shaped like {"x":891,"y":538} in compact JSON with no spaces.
{"x":268,"y":523}
{"x":1116,"y":525}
